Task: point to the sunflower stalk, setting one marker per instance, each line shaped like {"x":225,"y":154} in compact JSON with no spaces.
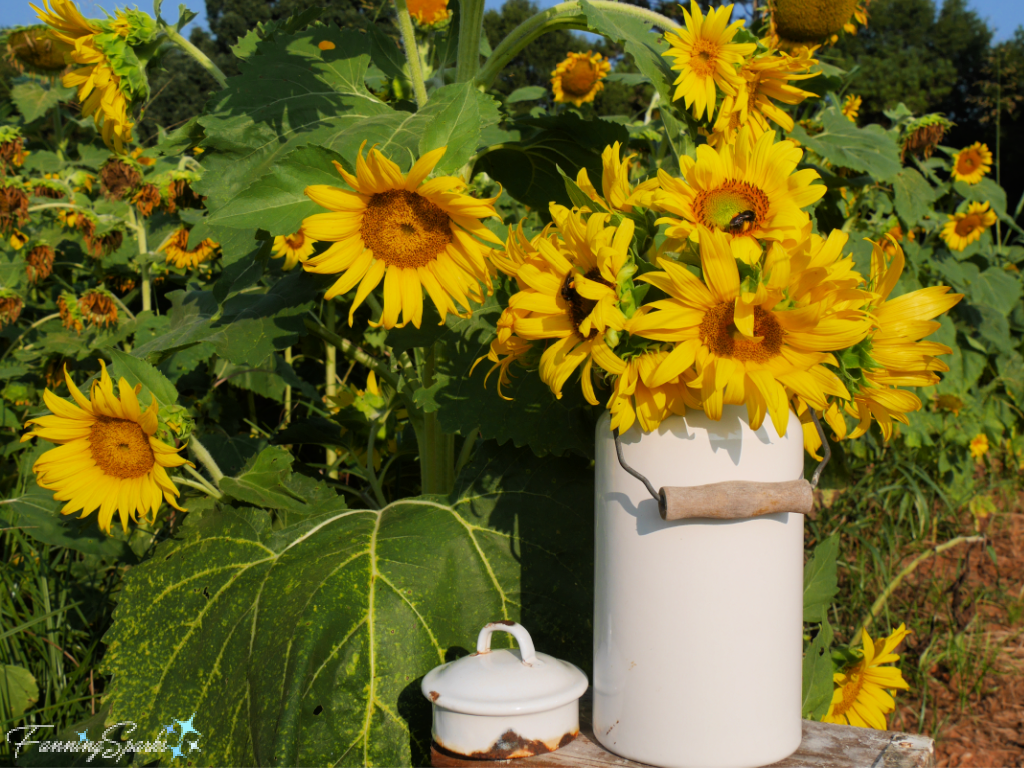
{"x":562,"y":16}
{"x":330,"y":383}
{"x":200,"y":483}
{"x":412,"y":52}
{"x":203,"y":456}
{"x":437,"y":449}
{"x":204,"y":61}
{"x":139,"y":225}
{"x":471,"y":26}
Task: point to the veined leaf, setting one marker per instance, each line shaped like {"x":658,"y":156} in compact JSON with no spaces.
{"x":306,"y":644}
{"x":817,"y":674}
{"x":34,"y":99}
{"x":138,"y":371}
{"x":527,"y":93}
{"x":913,"y":195}
{"x":454,"y":118}
{"x":868,"y":150}
{"x":820,"y":584}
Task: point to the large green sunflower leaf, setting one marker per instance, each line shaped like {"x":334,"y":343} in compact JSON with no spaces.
{"x":867,"y":150}
{"x":289,"y":94}
{"x":305,"y":645}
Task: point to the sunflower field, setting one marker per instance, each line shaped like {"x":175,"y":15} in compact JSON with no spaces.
{"x":300,"y":394}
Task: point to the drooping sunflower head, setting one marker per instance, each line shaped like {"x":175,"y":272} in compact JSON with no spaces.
{"x":178,"y":253}
{"x":147,"y":199}
{"x":413,"y":234}
{"x":97,"y":308}
{"x":118,"y":177}
{"x":851,"y":107}
{"x":70,"y":314}
{"x":34,"y":49}
{"x":971,"y":163}
{"x":577,"y":78}
{"x":814,"y":21}
{"x":964,"y":228}
{"x":429,"y":12}
{"x":11,"y":305}
{"x":706,"y":58}
{"x":862,"y":693}
{"x":12,"y":147}
{"x":13,"y":207}
{"x":107,"y":456}
{"x":100,"y":245}
{"x":922,"y":135}
{"x":39,"y":263}
{"x":293,"y":248}
{"x":179,"y":193}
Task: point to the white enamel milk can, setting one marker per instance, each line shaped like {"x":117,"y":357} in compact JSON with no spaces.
{"x":698,"y":622}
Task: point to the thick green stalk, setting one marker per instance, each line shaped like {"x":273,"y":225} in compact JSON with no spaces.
{"x":437,"y":449}
{"x":204,"y":60}
{"x":204,"y":457}
{"x":412,"y":52}
{"x":471,"y":26}
{"x":562,"y":16}
{"x":288,"y":390}
{"x":331,"y":376}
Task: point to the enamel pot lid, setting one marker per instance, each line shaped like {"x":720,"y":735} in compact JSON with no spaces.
{"x":503,"y":681}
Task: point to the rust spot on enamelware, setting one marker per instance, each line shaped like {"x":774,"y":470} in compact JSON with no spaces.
{"x":511,"y":745}
{"x":434,"y":695}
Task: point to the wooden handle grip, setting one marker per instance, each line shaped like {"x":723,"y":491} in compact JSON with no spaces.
{"x":737,"y":499}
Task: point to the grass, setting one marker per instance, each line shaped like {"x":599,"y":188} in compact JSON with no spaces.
{"x":55,"y":605}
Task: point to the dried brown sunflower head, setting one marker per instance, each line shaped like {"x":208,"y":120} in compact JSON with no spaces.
{"x":12,"y":149}
{"x":53,"y":190}
{"x":35,"y":50}
{"x":98,"y":308}
{"x":10,"y":308}
{"x":70,"y":314}
{"x":922,"y":136}
{"x":39,"y":263}
{"x":101,"y":245}
{"x":118,"y":178}
{"x":181,"y":195}
{"x":146,"y":199}
{"x":13,"y":207}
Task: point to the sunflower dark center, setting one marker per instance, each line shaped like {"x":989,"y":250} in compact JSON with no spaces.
{"x":719,"y":333}
{"x":968,"y":224}
{"x":120,"y":448}
{"x":405,"y":229}
{"x":580,"y":79}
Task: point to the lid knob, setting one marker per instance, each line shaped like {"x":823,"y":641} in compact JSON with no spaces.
{"x":518,"y":631}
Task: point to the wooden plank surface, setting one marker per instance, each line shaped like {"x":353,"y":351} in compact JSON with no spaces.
{"x":823,"y":746}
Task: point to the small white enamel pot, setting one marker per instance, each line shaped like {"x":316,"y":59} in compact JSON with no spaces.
{"x":495,"y":705}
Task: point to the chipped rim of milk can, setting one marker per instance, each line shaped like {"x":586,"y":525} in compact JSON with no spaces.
{"x":504,"y":682}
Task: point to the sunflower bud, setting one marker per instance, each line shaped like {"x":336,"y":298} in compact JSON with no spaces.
{"x":174,"y":423}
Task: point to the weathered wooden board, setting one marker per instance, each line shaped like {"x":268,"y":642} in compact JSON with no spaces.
{"x":823,"y":746}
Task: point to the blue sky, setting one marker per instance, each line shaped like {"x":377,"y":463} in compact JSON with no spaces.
{"x":1002,"y":15}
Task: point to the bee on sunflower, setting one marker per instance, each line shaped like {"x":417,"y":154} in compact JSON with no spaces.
{"x":107,"y":458}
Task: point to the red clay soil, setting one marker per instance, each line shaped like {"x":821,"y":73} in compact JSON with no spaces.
{"x":988,"y":730}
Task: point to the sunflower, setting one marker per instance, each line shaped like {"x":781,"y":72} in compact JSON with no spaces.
{"x":178,"y":254}
{"x":900,"y":357}
{"x":766,"y":79}
{"x":34,"y":49}
{"x":851,"y":108}
{"x":751,"y":190}
{"x":107,"y":457}
{"x":814,"y":21}
{"x":98,"y":308}
{"x":706,"y":58}
{"x":70,"y":314}
{"x":922,"y":135}
{"x":10,"y":307}
{"x":979,"y":445}
{"x":862,"y":696}
{"x":971,"y":163}
{"x":147,"y":199}
{"x":99,"y":88}
{"x":617,"y":194}
{"x":429,"y":12}
{"x":962,"y":229}
{"x":757,"y":342}
{"x":568,"y":296}
{"x":411,"y":233}
{"x":18,"y":239}
{"x":636,"y":398}
{"x":13,"y":207}
{"x":294,"y":248}
{"x":577,"y":78}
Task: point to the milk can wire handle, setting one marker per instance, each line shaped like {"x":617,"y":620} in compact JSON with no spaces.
{"x":518,"y":631}
{"x":659,"y":496}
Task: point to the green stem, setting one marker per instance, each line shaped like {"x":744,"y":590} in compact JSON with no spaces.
{"x":371,"y":475}
{"x":437,"y":449}
{"x":467,"y":450}
{"x":354,"y":352}
{"x":200,"y":482}
{"x":562,"y":16}
{"x":195,"y":53}
{"x":204,"y":457}
{"x":330,"y":383}
{"x":879,"y":604}
{"x":471,"y":25}
{"x":287,"y":390}
{"x":412,"y":52}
